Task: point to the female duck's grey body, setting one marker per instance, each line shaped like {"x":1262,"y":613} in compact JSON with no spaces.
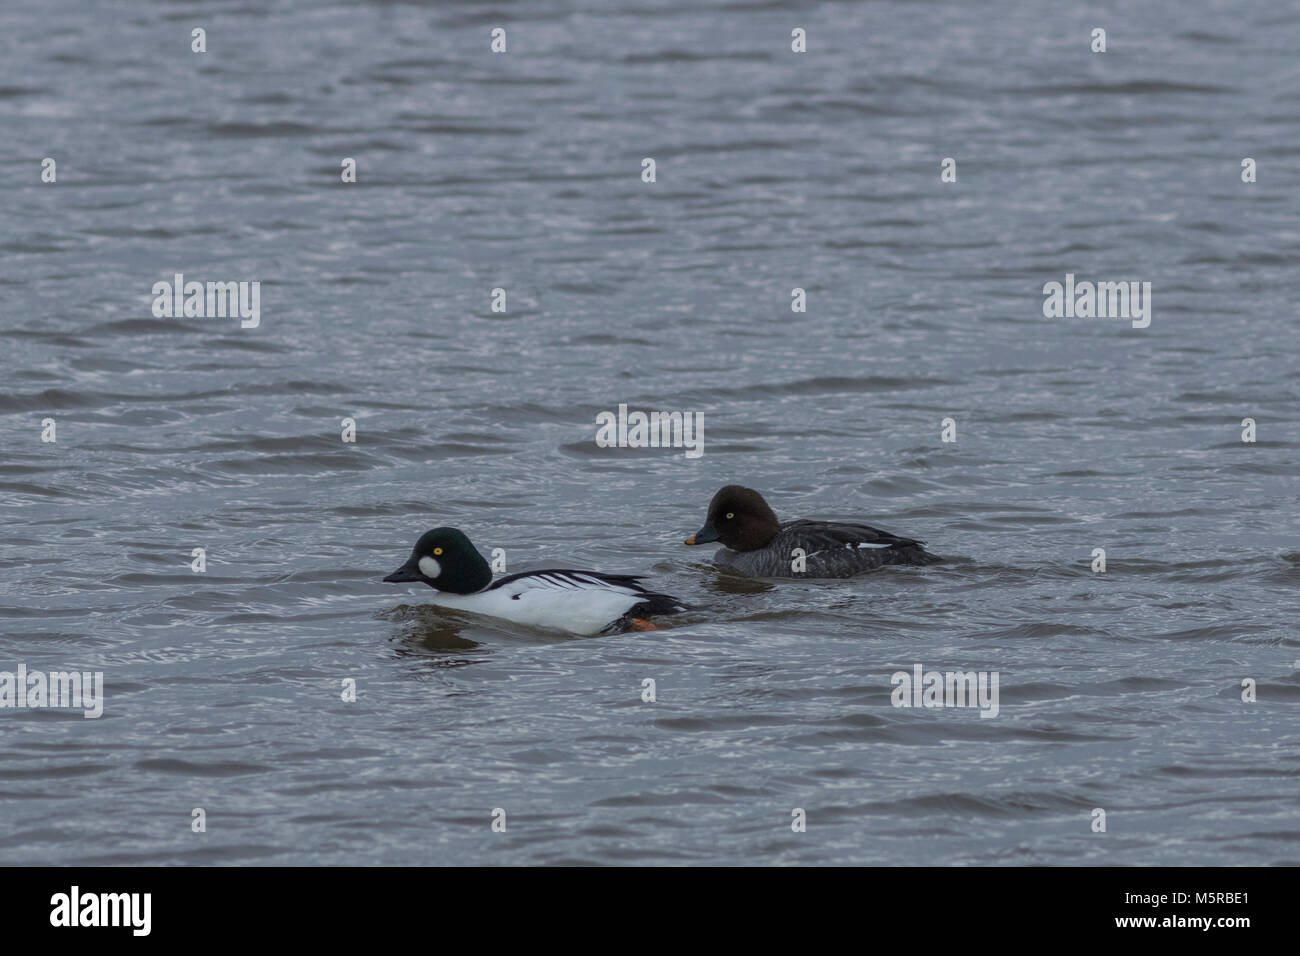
{"x":757,"y":545}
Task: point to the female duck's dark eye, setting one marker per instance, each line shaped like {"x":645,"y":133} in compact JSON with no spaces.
{"x":730,"y":515}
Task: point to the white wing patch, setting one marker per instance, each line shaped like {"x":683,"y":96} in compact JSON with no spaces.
{"x":852,"y":546}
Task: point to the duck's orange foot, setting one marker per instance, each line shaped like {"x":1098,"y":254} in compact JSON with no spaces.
{"x":641,"y":624}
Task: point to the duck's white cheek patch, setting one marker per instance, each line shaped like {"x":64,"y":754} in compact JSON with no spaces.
{"x":429,"y":567}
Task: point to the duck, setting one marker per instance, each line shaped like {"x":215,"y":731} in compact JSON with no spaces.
{"x":756,"y":544}
{"x":579,"y":602}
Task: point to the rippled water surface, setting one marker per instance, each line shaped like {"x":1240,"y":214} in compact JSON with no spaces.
{"x":1120,"y":690}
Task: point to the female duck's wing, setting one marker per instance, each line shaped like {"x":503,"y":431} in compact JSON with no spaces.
{"x":815,"y":536}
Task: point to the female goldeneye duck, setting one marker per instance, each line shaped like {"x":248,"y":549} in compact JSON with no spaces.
{"x":758,"y":545}
{"x":581,"y":602}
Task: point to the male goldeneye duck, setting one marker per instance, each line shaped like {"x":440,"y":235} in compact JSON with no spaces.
{"x":758,"y":545}
{"x":581,"y":602}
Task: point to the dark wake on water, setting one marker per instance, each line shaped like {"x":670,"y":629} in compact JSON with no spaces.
{"x":1120,"y":690}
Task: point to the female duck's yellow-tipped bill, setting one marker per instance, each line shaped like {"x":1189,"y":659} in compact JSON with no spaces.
{"x":704,"y":536}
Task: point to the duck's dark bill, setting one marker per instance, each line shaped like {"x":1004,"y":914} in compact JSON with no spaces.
{"x":703,"y":536}
{"x":407,"y":572}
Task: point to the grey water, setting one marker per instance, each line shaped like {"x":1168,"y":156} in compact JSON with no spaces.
{"x":1126,"y":690}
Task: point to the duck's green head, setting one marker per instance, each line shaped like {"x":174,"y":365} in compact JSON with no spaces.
{"x":445,"y":560}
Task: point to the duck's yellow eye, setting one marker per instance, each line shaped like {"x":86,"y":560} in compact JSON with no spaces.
{"x":730,"y":515}
{"x":437,"y":550}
